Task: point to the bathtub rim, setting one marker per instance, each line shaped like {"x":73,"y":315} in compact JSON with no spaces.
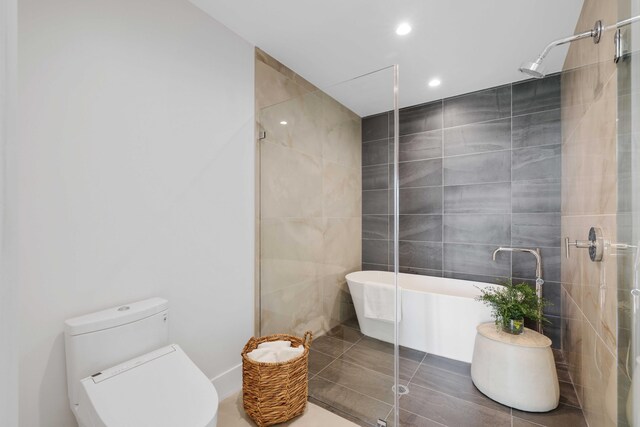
{"x":465,"y":283}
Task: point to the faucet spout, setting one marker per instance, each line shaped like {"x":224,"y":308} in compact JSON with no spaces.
{"x":534,"y":252}
{"x":539,"y":281}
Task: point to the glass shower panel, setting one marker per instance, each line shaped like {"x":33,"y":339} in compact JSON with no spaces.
{"x":292,"y":221}
{"x":326,"y":159}
{"x":628,"y":219}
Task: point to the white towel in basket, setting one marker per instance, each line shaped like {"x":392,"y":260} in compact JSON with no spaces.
{"x":275,"y":344}
{"x":275,"y":353}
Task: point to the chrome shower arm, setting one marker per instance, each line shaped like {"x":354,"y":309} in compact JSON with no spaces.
{"x":562,"y":41}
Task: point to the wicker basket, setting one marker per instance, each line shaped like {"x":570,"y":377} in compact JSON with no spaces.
{"x":273,"y":393}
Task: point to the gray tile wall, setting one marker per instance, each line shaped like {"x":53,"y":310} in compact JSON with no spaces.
{"x":476,"y":171}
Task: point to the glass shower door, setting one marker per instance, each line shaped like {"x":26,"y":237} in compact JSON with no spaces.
{"x":628,"y":133}
{"x":313,"y":192}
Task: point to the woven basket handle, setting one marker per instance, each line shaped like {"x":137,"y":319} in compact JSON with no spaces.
{"x":249,"y":344}
{"x":308,"y":337}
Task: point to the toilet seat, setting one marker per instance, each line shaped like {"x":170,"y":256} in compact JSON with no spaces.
{"x":163,"y":388}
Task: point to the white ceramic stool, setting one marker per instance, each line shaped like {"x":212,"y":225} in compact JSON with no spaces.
{"x":515,"y":370}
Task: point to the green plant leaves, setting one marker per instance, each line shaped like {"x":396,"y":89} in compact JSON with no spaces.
{"x":513,"y":302}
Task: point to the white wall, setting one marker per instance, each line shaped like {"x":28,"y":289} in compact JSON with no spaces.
{"x":8,"y":294}
{"x":135,"y":178}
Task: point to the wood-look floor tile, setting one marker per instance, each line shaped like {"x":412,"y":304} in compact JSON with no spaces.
{"x":358,"y":405}
{"x":451,"y":411}
{"x":562,"y":416}
{"x":318,"y":361}
{"x":405,"y":353}
{"x":450,"y":365}
{"x":345,"y":334}
{"x":379,"y":361}
{"x":459,"y":386}
{"x":357,"y":385}
{"x":365,"y":381}
{"x":330,"y":346}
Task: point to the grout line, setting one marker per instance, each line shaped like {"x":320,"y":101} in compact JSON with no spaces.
{"x":450,"y":156}
{"x":443,"y":127}
{"x":537,"y":146}
{"x":461,"y":185}
{"x":568,"y":370}
{"x":341,"y":354}
{"x":597,"y":334}
{"x":360,"y":366}
{"x":476,"y":153}
{"x":511,"y":187}
{"x":355,"y":391}
{"x":417,"y":369}
{"x":453,"y":156}
{"x":465,"y":400}
{"x":423,"y":160}
{"x":546,"y":110}
{"x":460,"y":243}
{"x":445,"y":371}
{"x":374,"y":140}
{"x":442,"y":194}
{"x":442,"y":392}
{"x":326,"y":354}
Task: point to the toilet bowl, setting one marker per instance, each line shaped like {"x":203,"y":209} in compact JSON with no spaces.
{"x":121,"y":373}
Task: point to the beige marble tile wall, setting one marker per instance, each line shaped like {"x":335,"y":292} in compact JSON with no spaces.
{"x":310,"y":202}
{"x":589,"y":198}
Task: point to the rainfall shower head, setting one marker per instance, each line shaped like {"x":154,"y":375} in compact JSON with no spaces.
{"x":533,"y":69}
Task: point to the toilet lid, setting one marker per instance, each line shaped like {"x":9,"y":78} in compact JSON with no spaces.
{"x":163,"y":388}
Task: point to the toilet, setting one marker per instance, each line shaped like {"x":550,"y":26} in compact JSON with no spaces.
{"x":122,"y":371}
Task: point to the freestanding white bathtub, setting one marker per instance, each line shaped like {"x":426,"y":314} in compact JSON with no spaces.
{"x":439,"y":316}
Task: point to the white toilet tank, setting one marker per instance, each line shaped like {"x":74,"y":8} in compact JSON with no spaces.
{"x":106,"y":338}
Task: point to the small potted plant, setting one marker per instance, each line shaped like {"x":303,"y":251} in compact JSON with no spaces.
{"x":511,"y":304}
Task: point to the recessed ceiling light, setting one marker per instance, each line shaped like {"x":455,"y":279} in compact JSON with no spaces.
{"x":403,"y":29}
{"x":434,"y":82}
{"x":283,"y":122}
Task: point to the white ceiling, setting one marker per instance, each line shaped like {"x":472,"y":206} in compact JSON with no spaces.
{"x":468,"y":44}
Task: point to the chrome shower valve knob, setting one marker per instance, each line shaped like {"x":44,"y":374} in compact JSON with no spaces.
{"x":595,"y":244}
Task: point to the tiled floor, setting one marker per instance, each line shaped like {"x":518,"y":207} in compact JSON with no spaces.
{"x":352,"y":375}
{"x":231,"y":414}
